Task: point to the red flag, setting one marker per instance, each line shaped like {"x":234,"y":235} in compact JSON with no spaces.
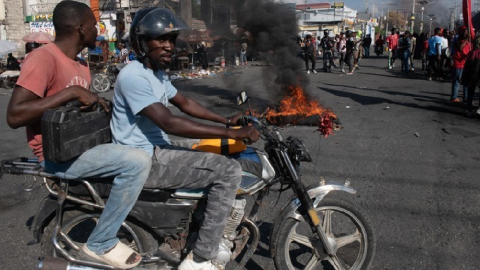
{"x":467,"y":16}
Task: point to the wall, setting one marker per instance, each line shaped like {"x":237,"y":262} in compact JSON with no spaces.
{"x":15,"y":26}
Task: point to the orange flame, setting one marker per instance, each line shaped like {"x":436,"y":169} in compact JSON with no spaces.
{"x":296,"y":107}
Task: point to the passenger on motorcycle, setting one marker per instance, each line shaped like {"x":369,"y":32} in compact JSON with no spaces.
{"x":379,"y":46}
{"x":142,"y":120}
{"x":51,"y":76}
{"x":327,"y":44}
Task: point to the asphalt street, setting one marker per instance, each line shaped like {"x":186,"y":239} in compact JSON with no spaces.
{"x":412,"y":155}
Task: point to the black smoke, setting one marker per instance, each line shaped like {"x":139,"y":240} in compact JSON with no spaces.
{"x":271,"y":30}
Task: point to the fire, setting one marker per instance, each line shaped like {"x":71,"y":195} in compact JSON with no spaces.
{"x":296,"y":107}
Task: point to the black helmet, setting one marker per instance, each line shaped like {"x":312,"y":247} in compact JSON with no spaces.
{"x":151,"y":23}
{"x":348,"y":33}
{"x":326,"y":32}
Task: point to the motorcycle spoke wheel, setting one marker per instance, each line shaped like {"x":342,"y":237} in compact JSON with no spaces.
{"x":348,"y":232}
{"x":101,"y":83}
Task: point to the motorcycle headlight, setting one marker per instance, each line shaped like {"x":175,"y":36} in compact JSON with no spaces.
{"x":297,"y":149}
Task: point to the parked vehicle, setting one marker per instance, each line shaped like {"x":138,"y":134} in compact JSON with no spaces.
{"x":104,"y":80}
{"x":311,"y":231}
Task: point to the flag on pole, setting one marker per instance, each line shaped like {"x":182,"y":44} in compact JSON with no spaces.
{"x":467,"y":16}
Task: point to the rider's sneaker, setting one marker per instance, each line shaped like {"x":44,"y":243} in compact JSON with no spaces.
{"x":189,"y":264}
{"x":314,"y":71}
{"x":308,"y":71}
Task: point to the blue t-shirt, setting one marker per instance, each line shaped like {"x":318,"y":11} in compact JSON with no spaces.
{"x":432,"y":41}
{"x":137,"y":88}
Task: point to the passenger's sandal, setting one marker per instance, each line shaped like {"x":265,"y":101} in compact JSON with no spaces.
{"x":117,"y":257}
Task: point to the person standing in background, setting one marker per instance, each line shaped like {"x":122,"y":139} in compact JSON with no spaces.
{"x":392,"y":43}
{"x":461,"y":47}
{"x":434,"y":54}
{"x":309,"y":49}
{"x":342,"y":50}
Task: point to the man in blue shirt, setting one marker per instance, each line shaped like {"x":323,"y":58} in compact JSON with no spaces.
{"x":434,"y":53}
{"x":141,"y":119}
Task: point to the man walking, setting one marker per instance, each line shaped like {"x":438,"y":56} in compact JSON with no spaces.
{"x":434,"y":54}
{"x":310,"y":53}
{"x":392,"y":43}
{"x":462,"y":47}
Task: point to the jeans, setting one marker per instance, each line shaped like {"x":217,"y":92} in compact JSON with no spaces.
{"x":342,"y":59}
{"x":433,"y":66}
{"x":129,"y":166}
{"x":406,"y":60}
{"x":366,"y":51}
{"x":392,"y":55}
{"x":311,"y":58}
{"x":457,"y":76}
{"x":327,"y":59}
{"x":178,"y":166}
{"x":349,"y":60}
{"x":243,"y":57}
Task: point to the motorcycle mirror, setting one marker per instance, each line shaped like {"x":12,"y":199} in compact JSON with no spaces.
{"x":242,"y":98}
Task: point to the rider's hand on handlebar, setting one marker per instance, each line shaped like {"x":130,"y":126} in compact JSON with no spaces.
{"x":234,"y":119}
{"x":248,"y":134}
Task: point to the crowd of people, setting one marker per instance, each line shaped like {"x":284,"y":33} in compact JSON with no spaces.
{"x":350,"y":46}
{"x":446,"y":56}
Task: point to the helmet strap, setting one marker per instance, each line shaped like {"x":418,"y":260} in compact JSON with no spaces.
{"x":144,"y":59}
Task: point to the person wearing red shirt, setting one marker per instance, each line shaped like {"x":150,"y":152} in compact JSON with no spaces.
{"x":462,"y":47}
{"x":392,"y":43}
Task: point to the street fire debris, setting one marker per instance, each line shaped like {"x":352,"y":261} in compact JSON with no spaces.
{"x":296,"y":109}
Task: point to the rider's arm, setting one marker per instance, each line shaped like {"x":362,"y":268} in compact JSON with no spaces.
{"x":193,"y":108}
{"x":180,"y":126}
{"x":25,"y":107}
{"x":31,"y":95}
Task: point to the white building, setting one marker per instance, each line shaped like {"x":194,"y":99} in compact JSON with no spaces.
{"x":313,"y":18}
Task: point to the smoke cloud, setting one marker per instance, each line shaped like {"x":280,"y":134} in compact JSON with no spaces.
{"x":271,"y":30}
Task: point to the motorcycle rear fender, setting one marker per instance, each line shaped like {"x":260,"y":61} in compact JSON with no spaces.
{"x":317,"y":192}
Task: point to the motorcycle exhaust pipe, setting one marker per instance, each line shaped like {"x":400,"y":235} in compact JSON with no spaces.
{"x":51,"y":263}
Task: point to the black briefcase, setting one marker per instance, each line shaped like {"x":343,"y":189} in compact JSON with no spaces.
{"x":67,"y":132}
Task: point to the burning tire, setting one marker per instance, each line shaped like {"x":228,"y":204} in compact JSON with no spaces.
{"x":348,"y":229}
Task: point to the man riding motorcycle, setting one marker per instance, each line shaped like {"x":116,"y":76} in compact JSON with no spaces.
{"x":327,"y":43}
{"x":142,"y":120}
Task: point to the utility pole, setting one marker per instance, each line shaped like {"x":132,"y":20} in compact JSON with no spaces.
{"x":413,"y":17}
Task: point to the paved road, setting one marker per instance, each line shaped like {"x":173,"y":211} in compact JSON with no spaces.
{"x":411,"y":154}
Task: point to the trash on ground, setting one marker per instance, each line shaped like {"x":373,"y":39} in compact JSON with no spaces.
{"x":417,"y":135}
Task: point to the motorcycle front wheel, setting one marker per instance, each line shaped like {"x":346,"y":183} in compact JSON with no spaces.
{"x":347,"y":229}
{"x":77,"y":227}
{"x":101,"y":83}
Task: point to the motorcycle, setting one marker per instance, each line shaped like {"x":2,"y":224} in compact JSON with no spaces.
{"x":378,"y":50}
{"x":103,"y":81}
{"x":312,"y":230}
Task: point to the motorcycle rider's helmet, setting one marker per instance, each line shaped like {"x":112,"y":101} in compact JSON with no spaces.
{"x":151,"y":23}
{"x":326,"y":32}
{"x":348,"y":33}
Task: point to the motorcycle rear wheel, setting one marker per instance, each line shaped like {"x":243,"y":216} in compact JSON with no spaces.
{"x":77,"y":226}
{"x":349,"y":228}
